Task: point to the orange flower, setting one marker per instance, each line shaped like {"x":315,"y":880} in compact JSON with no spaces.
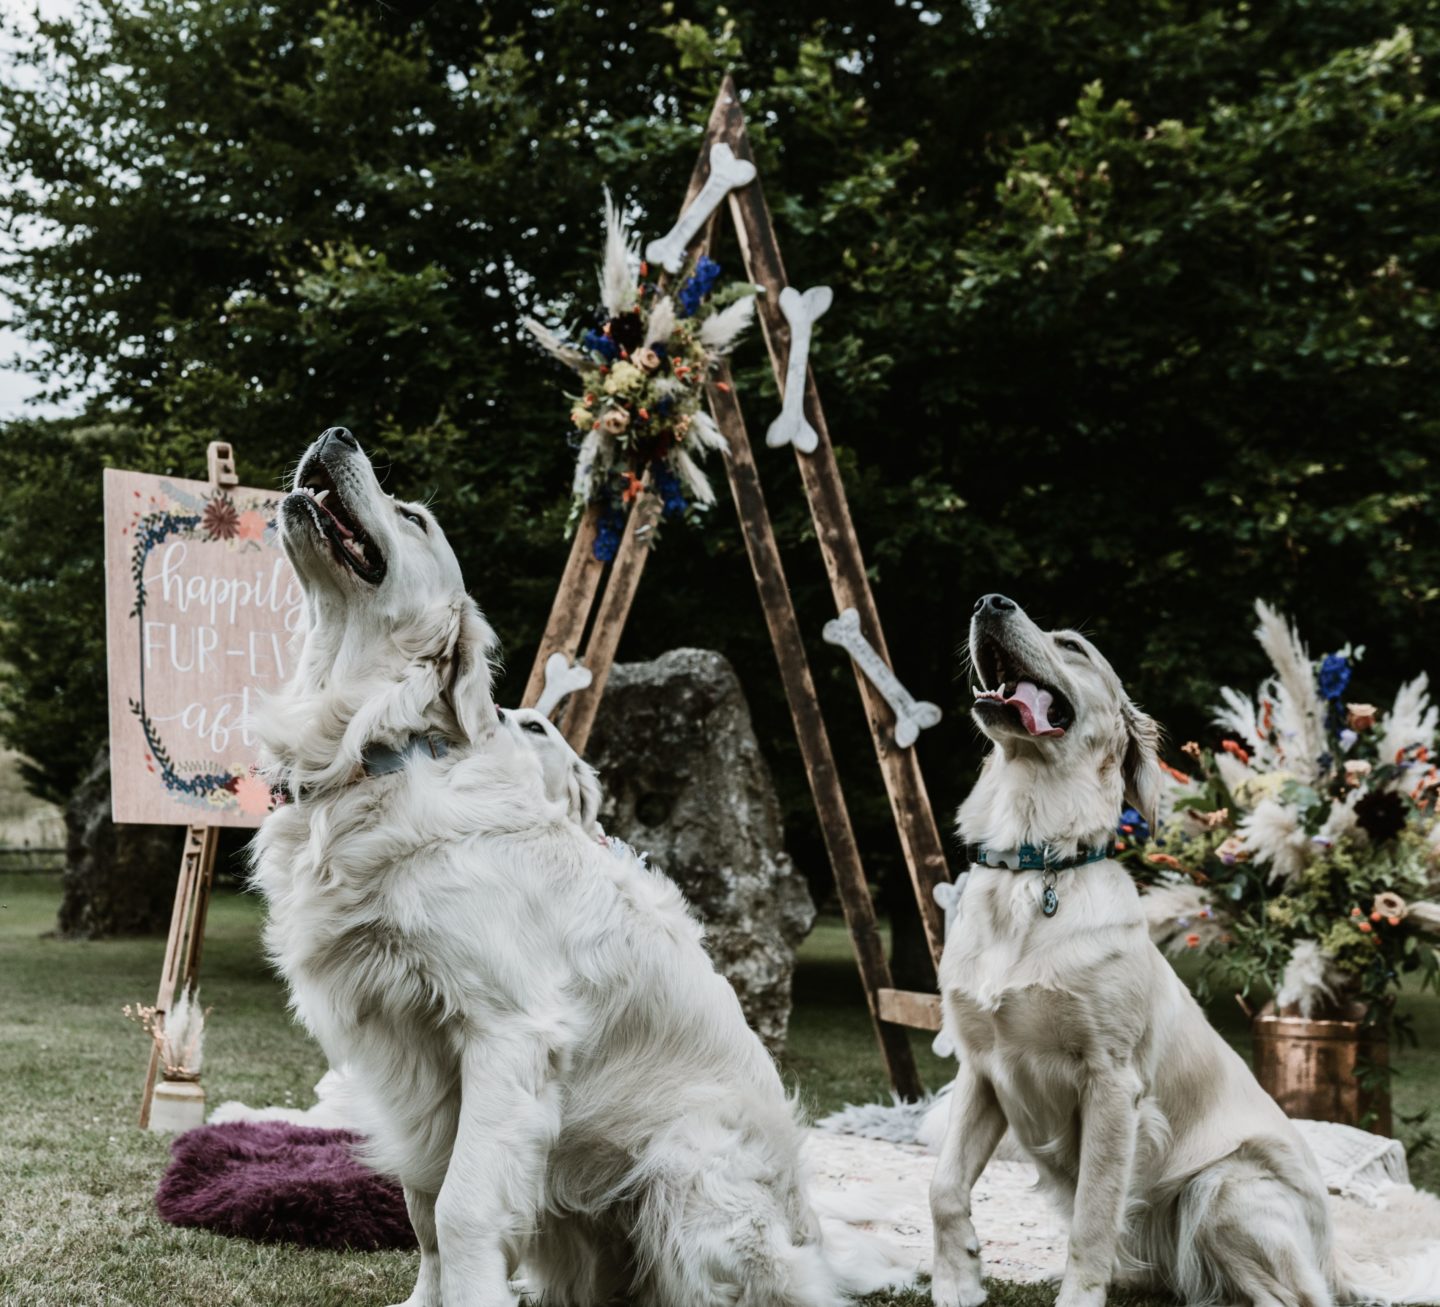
{"x":1119,"y":846}
{"x":1231,"y":747}
{"x":633,"y":486}
{"x":1192,"y":940}
{"x":1175,"y":773}
{"x":1163,"y":860}
{"x":1365,"y":927}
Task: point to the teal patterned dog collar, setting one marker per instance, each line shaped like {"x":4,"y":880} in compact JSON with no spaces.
{"x":1034,"y":857}
{"x":1037,"y":857}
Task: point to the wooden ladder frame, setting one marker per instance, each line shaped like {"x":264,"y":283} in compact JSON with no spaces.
{"x":891,"y":1010}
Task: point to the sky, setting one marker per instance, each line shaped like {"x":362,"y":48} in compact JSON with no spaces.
{"x":17,"y":387}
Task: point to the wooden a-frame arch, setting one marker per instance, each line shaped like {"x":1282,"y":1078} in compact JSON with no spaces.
{"x":579,"y":596}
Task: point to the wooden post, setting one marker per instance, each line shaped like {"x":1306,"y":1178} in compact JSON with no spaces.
{"x":573,"y":601}
{"x":839,"y":545}
{"x":810,"y":731}
{"x":186,"y":940}
{"x":580,"y":708}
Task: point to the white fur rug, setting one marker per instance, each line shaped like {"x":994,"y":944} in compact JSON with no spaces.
{"x":1021,"y":1236}
{"x":1377,"y":1212}
{"x":871,"y":1167}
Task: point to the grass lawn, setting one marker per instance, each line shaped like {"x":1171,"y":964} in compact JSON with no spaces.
{"x":77,"y":1224}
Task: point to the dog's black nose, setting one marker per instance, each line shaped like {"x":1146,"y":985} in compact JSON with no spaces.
{"x":994,"y":604}
{"x":342,"y":435}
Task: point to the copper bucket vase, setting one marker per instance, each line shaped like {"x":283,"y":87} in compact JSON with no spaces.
{"x":1308,"y":1067}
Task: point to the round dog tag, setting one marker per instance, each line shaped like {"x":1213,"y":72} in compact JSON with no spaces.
{"x":1049,"y":901}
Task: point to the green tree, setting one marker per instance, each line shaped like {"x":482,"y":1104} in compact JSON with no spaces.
{"x":1134,"y":306}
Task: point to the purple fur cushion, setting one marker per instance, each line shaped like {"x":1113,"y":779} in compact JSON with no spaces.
{"x":281,"y":1183}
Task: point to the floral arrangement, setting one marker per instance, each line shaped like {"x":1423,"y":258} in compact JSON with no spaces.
{"x":180,"y":1037}
{"x":1303,"y":854}
{"x":643,"y":367}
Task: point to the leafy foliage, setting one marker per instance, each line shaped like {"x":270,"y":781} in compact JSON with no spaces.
{"x":1134,"y":309}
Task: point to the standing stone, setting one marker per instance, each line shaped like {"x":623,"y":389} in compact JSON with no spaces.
{"x":685,"y":782}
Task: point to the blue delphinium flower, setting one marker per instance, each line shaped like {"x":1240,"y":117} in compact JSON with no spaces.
{"x":597,"y":342}
{"x":667,"y":486}
{"x":607,"y":534}
{"x":1334,"y":676}
{"x":1134,"y":825}
{"x":698,"y":285}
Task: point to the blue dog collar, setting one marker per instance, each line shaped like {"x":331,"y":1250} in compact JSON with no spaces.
{"x":381,"y":760}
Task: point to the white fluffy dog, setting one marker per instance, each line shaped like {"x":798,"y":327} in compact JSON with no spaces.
{"x":556,"y":1072}
{"x":1150,"y":1132}
{"x":567,"y":777}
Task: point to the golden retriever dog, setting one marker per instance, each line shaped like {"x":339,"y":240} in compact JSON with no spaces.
{"x":546,"y":1058}
{"x":1150,"y":1132}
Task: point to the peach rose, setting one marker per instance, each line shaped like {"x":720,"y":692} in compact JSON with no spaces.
{"x":647,"y":360}
{"x":1232,"y":851}
{"x":1361,"y":716}
{"x":251,"y":525}
{"x":253,"y":796}
{"x":1356,"y":770}
{"x":1390,"y":905}
{"x":615,"y":421}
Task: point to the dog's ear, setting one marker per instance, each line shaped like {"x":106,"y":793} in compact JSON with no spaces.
{"x":584,"y":794}
{"x":1141,"y":767}
{"x":469,"y":688}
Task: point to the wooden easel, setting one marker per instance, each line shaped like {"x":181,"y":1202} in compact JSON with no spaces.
{"x":183,"y":947}
{"x":891,"y":1010}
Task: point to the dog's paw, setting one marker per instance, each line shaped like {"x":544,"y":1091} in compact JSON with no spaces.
{"x":946,"y":1292}
{"x":1073,"y":1297}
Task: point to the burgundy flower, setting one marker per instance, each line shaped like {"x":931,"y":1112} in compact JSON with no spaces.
{"x":1381,"y":814}
{"x":627,"y":331}
{"x":220,"y":521}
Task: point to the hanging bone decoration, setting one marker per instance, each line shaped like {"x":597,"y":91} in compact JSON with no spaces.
{"x":910,"y":717}
{"x":726,"y":173}
{"x":561,"y":678}
{"x":791,"y":427}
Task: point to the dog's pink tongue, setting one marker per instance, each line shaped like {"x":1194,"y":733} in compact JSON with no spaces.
{"x":1034,"y":705}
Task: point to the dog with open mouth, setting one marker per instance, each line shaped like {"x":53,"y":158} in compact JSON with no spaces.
{"x":544,"y":1055}
{"x":1170,"y":1162}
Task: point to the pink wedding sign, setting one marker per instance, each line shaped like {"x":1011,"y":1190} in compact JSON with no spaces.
{"x":200,"y":609}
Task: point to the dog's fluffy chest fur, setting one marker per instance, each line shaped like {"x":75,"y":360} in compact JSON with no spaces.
{"x":450,"y":904}
{"x":1005,"y":946}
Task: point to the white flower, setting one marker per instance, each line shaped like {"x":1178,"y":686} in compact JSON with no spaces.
{"x":1275,"y":837}
{"x":1310,"y":981}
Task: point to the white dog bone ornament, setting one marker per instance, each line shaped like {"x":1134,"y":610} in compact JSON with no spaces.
{"x":910,"y":717}
{"x":726,"y":173}
{"x":791,"y":427}
{"x":561,"y":678}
